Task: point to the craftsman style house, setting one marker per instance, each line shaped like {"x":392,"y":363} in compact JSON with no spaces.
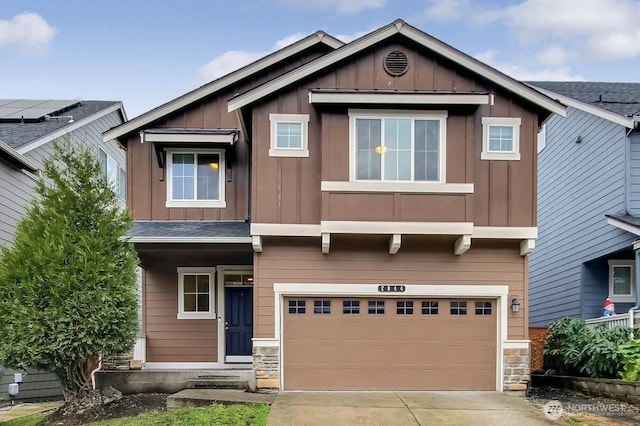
{"x":341,"y":216}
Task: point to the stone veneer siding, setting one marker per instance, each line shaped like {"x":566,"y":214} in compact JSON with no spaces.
{"x":516,"y":369}
{"x":265,"y":365}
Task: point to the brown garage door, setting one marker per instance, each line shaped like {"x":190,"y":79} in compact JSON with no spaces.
{"x":389,"y":344}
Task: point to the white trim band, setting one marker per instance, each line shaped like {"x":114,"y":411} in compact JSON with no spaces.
{"x":189,"y":138}
{"x":516,"y":344}
{"x":266,"y":342}
{"x":400,"y":98}
{"x":623,"y":225}
{"x":415,"y":228}
{"x":285,"y":230}
{"x":505,"y":232}
{"x":407,"y":187}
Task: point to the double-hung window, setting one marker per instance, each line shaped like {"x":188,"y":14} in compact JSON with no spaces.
{"x":195,"y":178}
{"x":398,"y":147}
{"x":500,"y":138}
{"x":622,"y":281}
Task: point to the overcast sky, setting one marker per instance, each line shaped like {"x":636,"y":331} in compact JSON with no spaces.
{"x":148,"y":52}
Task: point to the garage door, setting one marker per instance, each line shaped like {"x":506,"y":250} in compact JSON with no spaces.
{"x":389,"y":344}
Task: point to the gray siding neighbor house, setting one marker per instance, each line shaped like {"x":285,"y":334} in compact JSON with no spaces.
{"x":28,"y":129}
{"x":588,"y":203}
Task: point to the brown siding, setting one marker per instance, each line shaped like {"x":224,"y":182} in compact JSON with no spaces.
{"x":288,"y":190}
{"x":366,"y":260}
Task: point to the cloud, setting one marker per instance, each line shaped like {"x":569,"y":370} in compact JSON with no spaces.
{"x":235,"y":59}
{"x":447,"y":10}
{"x":520,"y":72}
{"x":348,"y":38}
{"x":554,"y":56}
{"x":347,"y":7}
{"x":26,"y":33}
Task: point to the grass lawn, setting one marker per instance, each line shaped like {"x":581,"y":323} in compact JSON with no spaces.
{"x":240,"y":414}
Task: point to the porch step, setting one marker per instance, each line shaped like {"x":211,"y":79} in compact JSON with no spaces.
{"x":218,"y":382}
{"x":206,"y":397}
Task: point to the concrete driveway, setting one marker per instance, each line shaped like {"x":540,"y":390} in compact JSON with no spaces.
{"x":403,"y":408}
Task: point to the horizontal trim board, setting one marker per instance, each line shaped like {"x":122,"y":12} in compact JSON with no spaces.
{"x":506,"y":232}
{"x":516,"y":344}
{"x":285,"y":229}
{"x":221,"y":240}
{"x":623,"y":225}
{"x":418,"y":228}
{"x":339,"y":290}
{"x":399,"y":98}
{"x":408,"y":187}
{"x":188,"y":138}
{"x":266,"y":342}
{"x":221,"y":83}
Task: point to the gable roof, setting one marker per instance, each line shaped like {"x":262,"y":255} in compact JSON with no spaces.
{"x":15,"y":159}
{"x":25,"y":136}
{"x":201,"y":92}
{"x":617,"y":102}
{"x":397,"y":27}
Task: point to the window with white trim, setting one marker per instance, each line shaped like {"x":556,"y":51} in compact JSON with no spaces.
{"x":196,"y":293}
{"x":500,"y":138}
{"x":122,"y":184}
{"x":621,"y":281}
{"x":195,"y":178}
{"x":113,"y":173}
{"x":289,"y":135}
{"x":398,"y":147}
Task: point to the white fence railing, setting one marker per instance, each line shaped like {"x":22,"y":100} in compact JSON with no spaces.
{"x":140,"y":349}
{"x":630,"y":319}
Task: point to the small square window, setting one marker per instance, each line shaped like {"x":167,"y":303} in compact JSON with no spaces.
{"x":430,"y":307}
{"x":297,"y":307}
{"x":322,"y":307}
{"x":196,"y":293}
{"x":376,"y":307}
{"x":458,"y":308}
{"x":289,"y":135}
{"x":483,"y":308}
{"x":404,"y":307}
{"x":500,"y":138}
{"x":351,"y":307}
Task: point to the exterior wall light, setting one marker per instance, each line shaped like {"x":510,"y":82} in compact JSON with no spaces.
{"x":515,"y":305}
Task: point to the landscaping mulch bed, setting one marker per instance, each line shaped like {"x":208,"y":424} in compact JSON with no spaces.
{"x":129,"y":405}
{"x":589,"y":410}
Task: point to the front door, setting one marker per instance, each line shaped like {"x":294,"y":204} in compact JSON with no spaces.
{"x":238,"y":323}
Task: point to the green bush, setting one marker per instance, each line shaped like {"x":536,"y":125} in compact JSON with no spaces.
{"x":574,"y":349}
{"x":630,"y":353}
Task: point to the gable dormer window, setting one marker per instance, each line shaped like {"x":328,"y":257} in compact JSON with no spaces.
{"x":500,"y":138}
{"x":195,"y":178}
{"x":289,"y":135}
{"x":398,"y":147}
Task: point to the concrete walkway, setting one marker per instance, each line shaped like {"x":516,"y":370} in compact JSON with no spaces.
{"x":21,"y":410}
{"x":403,"y":408}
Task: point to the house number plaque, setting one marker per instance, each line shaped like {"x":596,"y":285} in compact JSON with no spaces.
{"x":386,"y":288}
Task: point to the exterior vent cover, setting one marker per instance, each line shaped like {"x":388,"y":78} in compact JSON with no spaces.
{"x":396,"y":63}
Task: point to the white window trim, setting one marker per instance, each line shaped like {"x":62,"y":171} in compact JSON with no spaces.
{"x":382,"y":114}
{"x":514,"y":122}
{"x":212,"y":288}
{"x":303,"y":119}
{"x":623,"y":298}
{"x":221,"y":203}
{"x":121,"y":170}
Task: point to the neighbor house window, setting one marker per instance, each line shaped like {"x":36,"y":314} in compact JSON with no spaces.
{"x":196,"y":293}
{"x":289,"y":135}
{"x":458,"y":308}
{"x":108,"y":168}
{"x":122,"y":184}
{"x":195,"y":179}
{"x":500,"y":138}
{"x":398,"y":147}
{"x":621,"y":281}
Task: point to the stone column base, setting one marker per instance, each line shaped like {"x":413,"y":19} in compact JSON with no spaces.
{"x":266,"y":356}
{"x":517,"y":373}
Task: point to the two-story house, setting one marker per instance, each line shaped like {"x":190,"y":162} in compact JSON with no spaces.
{"x":588,"y":203}
{"x":28,"y":130}
{"x":341,"y":216}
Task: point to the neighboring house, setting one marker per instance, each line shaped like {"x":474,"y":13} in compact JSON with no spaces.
{"x":28,"y":129}
{"x":588,"y":202}
{"x":341,"y":217}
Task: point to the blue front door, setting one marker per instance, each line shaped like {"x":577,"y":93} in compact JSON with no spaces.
{"x":238,"y":321}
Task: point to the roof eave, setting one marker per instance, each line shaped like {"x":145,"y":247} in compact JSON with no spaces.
{"x":220,"y":83}
{"x":16,"y":159}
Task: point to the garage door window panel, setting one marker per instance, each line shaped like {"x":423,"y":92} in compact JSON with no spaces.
{"x":351,"y":307}
{"x":322,"y":307}
{"x":430,"y":307}
{"x":483,"y":308}
{"x":404,"y":307}
{"x":458,"y":308}
{"x":376,"y":307}
{"x":297,"y":307}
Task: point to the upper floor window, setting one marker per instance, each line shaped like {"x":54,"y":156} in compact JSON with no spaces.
{"x":114,"y":174}
{"x":500,"y":138}
{"x":289,"y":135}
{"x":395,"y":147}
{"x":621,"y":281}
{"x":195,"y":179}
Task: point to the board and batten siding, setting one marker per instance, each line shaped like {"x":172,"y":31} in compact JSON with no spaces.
{"x":578,"y":184}
{"x":366,"y":260}
{"x":634,"y":174}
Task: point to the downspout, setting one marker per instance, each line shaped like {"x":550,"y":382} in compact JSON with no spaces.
{"x":93,"y":373}
{"x":636,"y":244}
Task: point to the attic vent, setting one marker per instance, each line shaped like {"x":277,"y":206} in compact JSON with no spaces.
{"x":396,"y":63}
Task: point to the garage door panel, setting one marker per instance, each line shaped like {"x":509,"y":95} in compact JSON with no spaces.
{"x":409,"y":351}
